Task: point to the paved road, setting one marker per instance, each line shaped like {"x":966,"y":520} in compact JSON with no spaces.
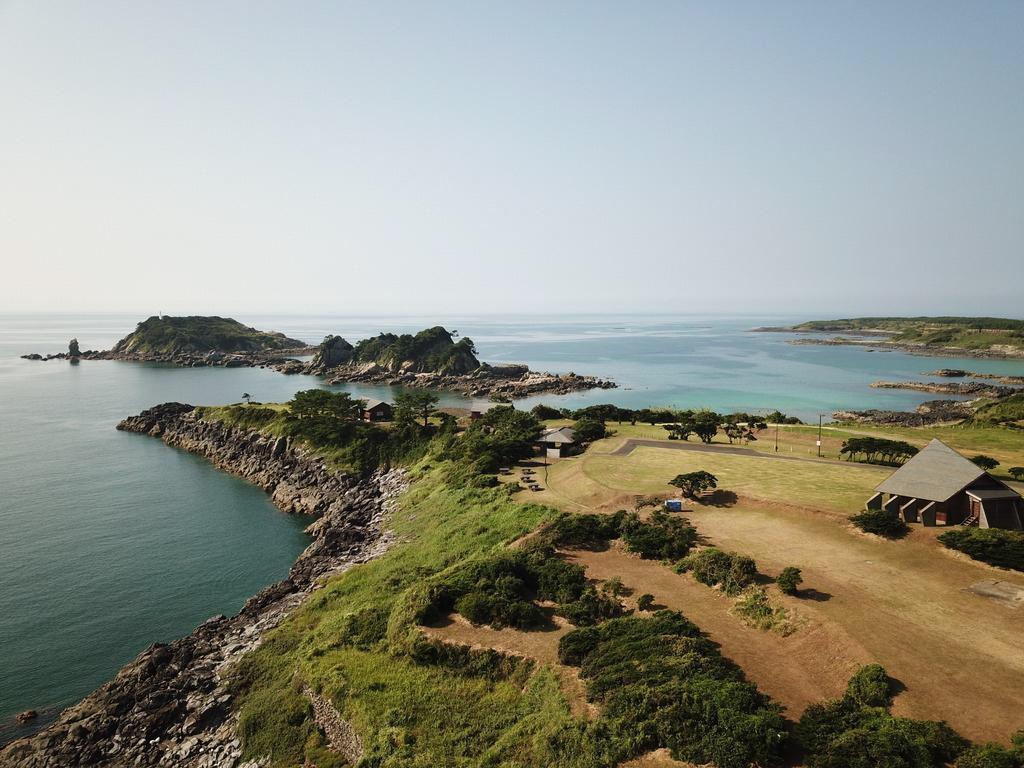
{"x":632,"y":443}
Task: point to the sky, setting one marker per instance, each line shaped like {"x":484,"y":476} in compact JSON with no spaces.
{"x":521,"y":157}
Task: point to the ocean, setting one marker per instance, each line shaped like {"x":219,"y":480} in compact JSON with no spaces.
{"x":112,"y":541}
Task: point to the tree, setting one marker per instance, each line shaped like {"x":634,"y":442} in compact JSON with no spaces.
{"x":706,"y":424}
{"x":247,"y":397}
{"x":322,"y":404}
{"x":1017,"y":473}
{"x":645,"y":602}
{"x":588,"y":430}
{"x":415,"y":404}
{"x":985,"y":462}
{"x":739,"y":431}
{"x":694,"y":483}
{"x":789,"y":580}
{"x":877,"y":450}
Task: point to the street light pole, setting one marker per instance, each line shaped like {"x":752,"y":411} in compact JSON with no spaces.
{"x":819,"y":435}
{"x":776,"y":437}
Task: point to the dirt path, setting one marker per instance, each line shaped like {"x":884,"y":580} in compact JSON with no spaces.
{"x":540,"y":645}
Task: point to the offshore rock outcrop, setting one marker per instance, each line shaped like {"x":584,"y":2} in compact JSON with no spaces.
{"x":511,"y":381}
{"x":930,"y":412}
{"x":171,"y":706}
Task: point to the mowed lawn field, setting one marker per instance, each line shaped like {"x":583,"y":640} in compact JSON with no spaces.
{"x":904,"y":604}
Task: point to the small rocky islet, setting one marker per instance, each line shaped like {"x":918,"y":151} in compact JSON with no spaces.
{"x":430,"y":359}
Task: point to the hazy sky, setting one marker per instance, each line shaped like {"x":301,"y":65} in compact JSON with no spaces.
{"x":826,"y":158}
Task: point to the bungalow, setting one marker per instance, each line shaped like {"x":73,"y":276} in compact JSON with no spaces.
{"x":376,"y":410}
{"x":554,"y":441}
{"x":938,"y":486}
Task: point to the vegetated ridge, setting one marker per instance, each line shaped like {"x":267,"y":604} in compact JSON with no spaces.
{"x":952,"y":336}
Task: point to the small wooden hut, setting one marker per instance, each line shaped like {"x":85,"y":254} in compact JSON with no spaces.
{"x":555,"y":441}
{"x":938,"y":486}
{"x":377,"y":410}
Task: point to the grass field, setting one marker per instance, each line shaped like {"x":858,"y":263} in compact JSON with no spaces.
{"x":1004,"y":444}
{"x":903,"y":604}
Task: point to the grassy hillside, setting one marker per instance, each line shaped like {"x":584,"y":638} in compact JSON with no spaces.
{"x":969,"y":333}
{"x":199,"y":334}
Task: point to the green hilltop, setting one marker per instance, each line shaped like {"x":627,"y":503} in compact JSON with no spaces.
{"x":197,"y":334}
{"x":432,"y":350}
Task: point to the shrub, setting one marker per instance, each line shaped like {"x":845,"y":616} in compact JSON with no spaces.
{"x":715,"y":567}
{"x":789,"y":580}
{"x":645,"y":601}
{"x":880,"y":523}
{"x":1017,"y":473}
{"x":988,"y":756}
{"x":994,"y":546}
{"x":585,"y":531}
{"x":869,"y":687}
{"x":663,"y":684}
{"x":857,"y":731}
{"x":664,"y":537}
{"x":757,"y":610}
{"x":590,"y":608}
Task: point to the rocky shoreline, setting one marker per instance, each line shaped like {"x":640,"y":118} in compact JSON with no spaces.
{"x":970,"y":388}
{"x":511,"y":381}
{"x":171,"y":705}
{"x":931,"y":412}
{"x":281,"y":360}
{"x":910,"y":349}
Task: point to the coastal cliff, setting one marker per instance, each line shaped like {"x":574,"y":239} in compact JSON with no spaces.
{"x":171,"y":705}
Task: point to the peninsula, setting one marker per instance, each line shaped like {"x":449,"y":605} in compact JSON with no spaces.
{"x":991,"y":337}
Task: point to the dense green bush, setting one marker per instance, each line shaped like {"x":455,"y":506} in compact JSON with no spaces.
{"x":857,"y":730}
{"x":663,"y":537}
{"x":990,"y":756}
{"x":585,"y":531}
{"x":590,"y":608}
{"x":789,"y":580}
{"x":588,"y":430}
{"x":880,"y":523}
{"x":663,"y":684}
{"x":715,"y":567}
{"x":994,"y":546}
{"x":645,"y":601}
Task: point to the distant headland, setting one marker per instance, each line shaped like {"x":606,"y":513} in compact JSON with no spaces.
{"x":990,"y":337}
{"x":431,"y":358}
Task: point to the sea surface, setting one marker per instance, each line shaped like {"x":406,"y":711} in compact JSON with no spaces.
{"x":112,"y":541}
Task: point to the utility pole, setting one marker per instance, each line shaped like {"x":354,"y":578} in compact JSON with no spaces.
{"x":819,"y":435}
{"x":776,"y":437}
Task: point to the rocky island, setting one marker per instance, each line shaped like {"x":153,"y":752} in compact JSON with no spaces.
{"x":429,"y":359}
{"x":433,"y":359}
{"x":194,"y":341}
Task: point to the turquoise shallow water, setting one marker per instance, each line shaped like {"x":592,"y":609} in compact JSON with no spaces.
{"x":111,"y":541}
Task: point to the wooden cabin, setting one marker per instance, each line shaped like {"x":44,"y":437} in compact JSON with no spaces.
{"x":555,"y":442}
{"x":377,"y":410}
{"x":938,"y":486}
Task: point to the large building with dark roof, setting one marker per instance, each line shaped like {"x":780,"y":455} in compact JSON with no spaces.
{"x":938,"y":486}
